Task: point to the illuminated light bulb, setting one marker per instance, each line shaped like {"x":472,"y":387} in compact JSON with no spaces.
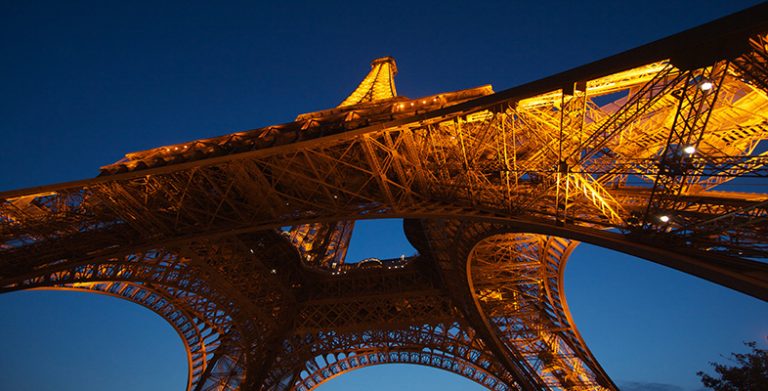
{"x":273,"y":271}
{"x":689,"y":149}
{"x":411,"y":103}
{"x":706,"y":85}
{"x":664,"y":218}
{"x":423,"y":102}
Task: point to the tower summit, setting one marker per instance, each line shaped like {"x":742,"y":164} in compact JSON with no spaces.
{"x":378,"y":85}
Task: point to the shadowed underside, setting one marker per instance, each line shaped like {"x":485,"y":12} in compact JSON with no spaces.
{"x":240,"y":241}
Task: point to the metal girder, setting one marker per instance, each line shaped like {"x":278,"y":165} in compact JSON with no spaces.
{"x":240,"y":241}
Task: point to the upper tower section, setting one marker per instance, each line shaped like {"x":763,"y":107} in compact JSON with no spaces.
{"x":378,"y":85}
{"x":374,"y":101}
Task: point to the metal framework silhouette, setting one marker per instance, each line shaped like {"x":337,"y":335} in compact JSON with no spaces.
{"x":239,"y":241}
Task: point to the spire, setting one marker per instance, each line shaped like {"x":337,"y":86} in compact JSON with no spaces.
{"x":378,"y":85}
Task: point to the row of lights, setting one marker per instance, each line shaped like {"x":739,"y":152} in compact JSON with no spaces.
{"x":175,"y":148}
{"x":396,"y":267}
{"x":424,"y":101}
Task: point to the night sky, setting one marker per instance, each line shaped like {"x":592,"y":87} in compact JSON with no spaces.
{"x":84,"y":83}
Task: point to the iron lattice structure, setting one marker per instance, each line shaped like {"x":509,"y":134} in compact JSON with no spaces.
{"x":240,"y":241}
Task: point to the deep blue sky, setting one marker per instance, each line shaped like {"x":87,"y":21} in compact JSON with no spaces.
{"x":83,"y":83}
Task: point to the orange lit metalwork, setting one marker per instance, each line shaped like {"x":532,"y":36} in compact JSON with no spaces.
{"x":240,"y":241}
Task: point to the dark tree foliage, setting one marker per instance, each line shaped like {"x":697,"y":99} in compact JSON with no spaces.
{"x":749,"y":373}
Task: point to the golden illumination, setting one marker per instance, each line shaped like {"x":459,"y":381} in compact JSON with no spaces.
{"x":378,"y":85}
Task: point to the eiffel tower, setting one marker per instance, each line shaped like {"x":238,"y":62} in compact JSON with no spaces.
{"x":240,"y":241}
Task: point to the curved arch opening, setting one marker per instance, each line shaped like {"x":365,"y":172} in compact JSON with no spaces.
{"x":386,"y":377}
{"x":648,"y":324}
{"x":65,"y":340}
{"x":337,"y":246}
{"x":378,"y":238}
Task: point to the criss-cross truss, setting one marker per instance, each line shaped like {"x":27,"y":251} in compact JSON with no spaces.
{"x":240,"y":241}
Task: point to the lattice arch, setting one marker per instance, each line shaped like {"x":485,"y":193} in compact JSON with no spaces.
{"x":344,"y":363}
{"x":161,"y":284}
{"x":200,"y":339}
{"x":451,"y":347}
{"x":210,"y":318}
{"x":516,"y":280}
